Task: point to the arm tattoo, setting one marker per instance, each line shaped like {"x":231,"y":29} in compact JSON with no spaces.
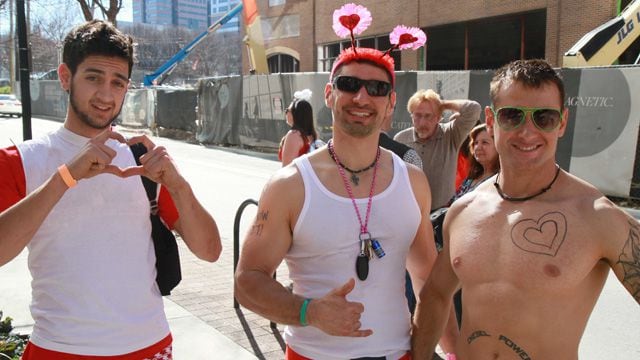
{"x":513,"y":346}
{"x":543,"y":236}
{"x":262,"y":216}
{"x":476,"y":334}
{"x":629,"y":259}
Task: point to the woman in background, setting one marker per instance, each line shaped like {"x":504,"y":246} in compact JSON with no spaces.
{"x":484,"y":160}
{"x":303,"y":137}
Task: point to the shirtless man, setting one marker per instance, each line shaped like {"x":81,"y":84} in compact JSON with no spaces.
{"x":532,"y":248}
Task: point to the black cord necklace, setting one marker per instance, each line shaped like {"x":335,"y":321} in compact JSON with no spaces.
{"x":517,"y":199}
{"x":354,"y":173}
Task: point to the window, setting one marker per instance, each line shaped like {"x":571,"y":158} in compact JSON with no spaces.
{"x":283,"y":63}
{"x":487,"y":43}
{"x":281,"y":27}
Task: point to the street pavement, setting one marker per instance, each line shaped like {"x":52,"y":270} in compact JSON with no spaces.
{"x":200,"y":310}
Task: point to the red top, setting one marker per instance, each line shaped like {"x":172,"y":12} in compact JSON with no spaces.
{"x":462,"y":169}
{"x":13,"y":186}
{"x":303,"y":150}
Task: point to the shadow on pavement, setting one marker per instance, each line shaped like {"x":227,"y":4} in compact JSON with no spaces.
{"x":252,"y":341}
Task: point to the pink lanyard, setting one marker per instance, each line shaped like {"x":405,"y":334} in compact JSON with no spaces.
{"x":363,"y":227}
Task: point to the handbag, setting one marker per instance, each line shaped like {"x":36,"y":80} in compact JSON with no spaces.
{"x":164,"y":242}
{"x":437,"y":220}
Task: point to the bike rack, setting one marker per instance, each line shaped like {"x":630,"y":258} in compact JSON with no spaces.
{"x":236,"y":250}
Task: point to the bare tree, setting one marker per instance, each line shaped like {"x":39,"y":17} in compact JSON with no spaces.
{"x":55,"y":24}
{"x":108,"y":14}
{"x":44,"y":52}
{"x":49,"y":26}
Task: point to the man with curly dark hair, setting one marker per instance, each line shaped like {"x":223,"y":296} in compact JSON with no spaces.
{"x":74,"y":198}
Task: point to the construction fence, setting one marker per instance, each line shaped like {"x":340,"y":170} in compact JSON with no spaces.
{"x":601,"y":142}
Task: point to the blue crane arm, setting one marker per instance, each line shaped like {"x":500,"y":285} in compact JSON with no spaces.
{"x":158,"y":76}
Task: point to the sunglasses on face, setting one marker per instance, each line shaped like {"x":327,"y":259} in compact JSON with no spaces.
{"x":353,"y":84}
{"x":512,"y":117}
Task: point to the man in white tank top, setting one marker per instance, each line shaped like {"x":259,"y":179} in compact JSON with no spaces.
{"x":326,"y":213}
{"x":75,"y":198}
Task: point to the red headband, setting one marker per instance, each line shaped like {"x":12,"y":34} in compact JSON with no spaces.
{"x":353,"y":19}
{"x":376,"y":57}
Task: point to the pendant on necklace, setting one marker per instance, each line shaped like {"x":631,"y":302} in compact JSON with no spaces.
{"x":362,"y":266}
{"x":362,"y":261}
{"x":355,"y":179}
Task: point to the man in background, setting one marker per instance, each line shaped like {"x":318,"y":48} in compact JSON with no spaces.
{"x":436,"y":142}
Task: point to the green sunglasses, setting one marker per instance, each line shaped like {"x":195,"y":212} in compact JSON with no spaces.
{"x":512,"y":117}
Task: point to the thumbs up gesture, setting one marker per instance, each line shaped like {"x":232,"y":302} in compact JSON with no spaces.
{"x":337,"y":316}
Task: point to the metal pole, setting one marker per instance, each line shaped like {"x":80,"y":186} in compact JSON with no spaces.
{"x":12,"y":50}
{"x":24,"y":70}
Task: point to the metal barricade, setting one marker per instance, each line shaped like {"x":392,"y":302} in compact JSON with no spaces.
{"x":236,"y":250}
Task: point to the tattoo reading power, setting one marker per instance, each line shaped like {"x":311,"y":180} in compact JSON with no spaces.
{"x":518,"y":350}
{"x":508,"y":342}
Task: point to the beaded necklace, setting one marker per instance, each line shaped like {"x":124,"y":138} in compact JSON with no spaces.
{"x":367,"y":243}
{"x":354,"y":173}
{"x":519,"y":199}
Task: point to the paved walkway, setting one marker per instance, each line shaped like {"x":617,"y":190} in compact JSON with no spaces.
{"x":193,"y":338}
{"x":206,"y":291}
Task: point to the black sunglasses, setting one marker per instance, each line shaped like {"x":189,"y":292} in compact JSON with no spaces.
{"x":512,"y":117}
{"x":353,"y":84}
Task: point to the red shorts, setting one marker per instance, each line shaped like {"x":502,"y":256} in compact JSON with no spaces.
{"x":292,"y":355}
{"x":160,"y":350}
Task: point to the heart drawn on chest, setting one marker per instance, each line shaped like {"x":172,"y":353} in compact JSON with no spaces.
{"x":544,"y":236}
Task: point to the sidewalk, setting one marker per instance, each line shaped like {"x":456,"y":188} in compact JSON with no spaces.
{"x":193,"y":338}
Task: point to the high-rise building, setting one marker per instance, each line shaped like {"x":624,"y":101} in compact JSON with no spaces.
{"x":192,"y":14}
{"x":219,"y":8}
{"x":157,"y":12}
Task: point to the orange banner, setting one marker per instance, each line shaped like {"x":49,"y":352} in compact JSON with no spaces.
{"x":250,"y":11}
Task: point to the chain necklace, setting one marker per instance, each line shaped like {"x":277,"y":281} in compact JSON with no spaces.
{"x":519,"y":199}
{"x":355,"y":179}
{"x":367,"y":243}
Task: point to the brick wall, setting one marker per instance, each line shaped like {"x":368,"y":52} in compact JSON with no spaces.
{"x":567,"y":21}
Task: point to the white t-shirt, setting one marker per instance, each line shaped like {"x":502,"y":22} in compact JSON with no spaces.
{"x":92,"y":260}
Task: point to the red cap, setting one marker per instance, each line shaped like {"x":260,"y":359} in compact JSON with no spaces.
{"x":361,"y":54}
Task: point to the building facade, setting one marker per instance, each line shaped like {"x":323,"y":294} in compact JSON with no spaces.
{"x":192,"y":14}
{"x":461,"y":34}
{"x":219,"y":8}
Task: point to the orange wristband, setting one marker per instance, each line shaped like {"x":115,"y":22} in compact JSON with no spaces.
{"x":66,"y":176}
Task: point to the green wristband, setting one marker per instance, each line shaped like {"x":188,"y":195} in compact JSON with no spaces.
{"x":303,"y":312}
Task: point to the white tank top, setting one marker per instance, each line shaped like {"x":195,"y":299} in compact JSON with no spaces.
{"x":92,"y":259}
{"x":323,"y":256}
